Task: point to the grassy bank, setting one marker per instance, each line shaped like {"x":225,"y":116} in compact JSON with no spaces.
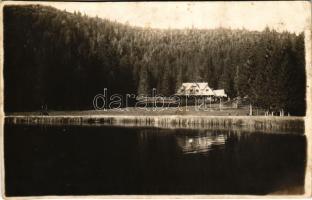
{"x":189,"y":110}
{"x":188,"y":119}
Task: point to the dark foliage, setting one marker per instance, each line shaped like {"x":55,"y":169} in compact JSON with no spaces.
{"x":63,"y":60}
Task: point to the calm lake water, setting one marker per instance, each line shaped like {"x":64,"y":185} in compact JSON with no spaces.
{"x":73,"y":160}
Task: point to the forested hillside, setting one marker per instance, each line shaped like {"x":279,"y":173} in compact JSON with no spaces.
{"x":63,"y":60}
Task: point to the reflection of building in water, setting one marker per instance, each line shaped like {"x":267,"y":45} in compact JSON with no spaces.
{"x":200,"y":143}
{"x":188,"y":141}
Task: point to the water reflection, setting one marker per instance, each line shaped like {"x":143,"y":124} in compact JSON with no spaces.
{"x":201,"y":143}
{"x":75,"y":160}
{"x":190,"y":141}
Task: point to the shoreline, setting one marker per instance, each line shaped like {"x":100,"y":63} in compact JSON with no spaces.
{"x":271,"y":124}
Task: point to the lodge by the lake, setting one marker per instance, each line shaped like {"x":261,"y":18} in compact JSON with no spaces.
{"x":200,"y":89}
{"x":189,"y":93}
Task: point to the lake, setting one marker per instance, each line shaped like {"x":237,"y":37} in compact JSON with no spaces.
{"x":102,"y":160}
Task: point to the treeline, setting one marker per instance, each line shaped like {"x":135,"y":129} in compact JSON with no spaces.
{"x":63,"y":60}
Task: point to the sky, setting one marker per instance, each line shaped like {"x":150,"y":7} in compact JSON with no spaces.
{"x":294,"y":16}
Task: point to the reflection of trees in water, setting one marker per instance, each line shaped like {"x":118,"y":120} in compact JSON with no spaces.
{"x":151,"y":138}
{"x":201,"y":143}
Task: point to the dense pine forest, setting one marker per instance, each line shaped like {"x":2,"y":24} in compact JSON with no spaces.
{"x":64,"y":59}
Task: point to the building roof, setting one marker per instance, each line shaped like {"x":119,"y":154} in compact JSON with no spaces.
{"x":195,"y":88}
{"x":199,"y":89}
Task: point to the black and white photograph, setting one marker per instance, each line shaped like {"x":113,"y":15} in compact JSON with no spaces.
{"x":156,"y":99}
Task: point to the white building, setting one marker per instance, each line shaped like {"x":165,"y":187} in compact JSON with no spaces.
{"x":199,"y":89}
{"x":220,"y":93}
{"x":195,"y":89}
